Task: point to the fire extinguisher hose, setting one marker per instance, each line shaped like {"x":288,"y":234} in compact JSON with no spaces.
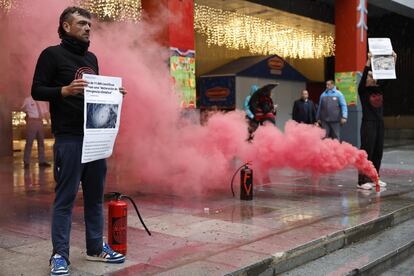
{"x":234,"y":175}
{"x":136,"y":209}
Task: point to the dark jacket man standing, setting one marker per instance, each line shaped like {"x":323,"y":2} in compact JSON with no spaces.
{"x":304,"y":110}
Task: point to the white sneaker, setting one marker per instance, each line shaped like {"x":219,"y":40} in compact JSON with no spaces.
{"x":382,"y":189}
{"x":366,"y":186}
{"x":382,"y":183}
{"x":107,"y":255}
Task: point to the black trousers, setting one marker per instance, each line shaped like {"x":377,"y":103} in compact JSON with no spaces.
{"x":372,"y":141}
{"x":254,"y":125}
{"x":332,"y":129}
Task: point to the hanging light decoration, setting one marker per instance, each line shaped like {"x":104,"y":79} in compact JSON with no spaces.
{"x":238,"y":31}
{"x":113,"y":10}
{"x":7,"y":5}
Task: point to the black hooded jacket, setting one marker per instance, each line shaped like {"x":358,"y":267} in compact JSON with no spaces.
{"x":304,"y":112}
{"x":371,"y":98}
{"x":56,"y":67}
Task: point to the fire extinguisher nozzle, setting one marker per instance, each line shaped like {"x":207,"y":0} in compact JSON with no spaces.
{"x":112,"y":195}
{"x":139,"y":215}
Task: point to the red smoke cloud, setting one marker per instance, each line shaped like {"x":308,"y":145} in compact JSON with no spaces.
{"x":157,"y":148}
{"x":301,"y":147}
{"x":24,"y":33}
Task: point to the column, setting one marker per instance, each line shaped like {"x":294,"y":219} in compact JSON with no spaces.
{"x":177,"y":33}
{"x":350,"y":56}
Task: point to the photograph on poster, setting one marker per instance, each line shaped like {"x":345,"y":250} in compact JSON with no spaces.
{"x":383,"y":62}
{"x":101,"y":115}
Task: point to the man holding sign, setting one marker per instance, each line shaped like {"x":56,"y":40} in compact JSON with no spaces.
{"x":372,"y":128}
{"x":58,"y":80}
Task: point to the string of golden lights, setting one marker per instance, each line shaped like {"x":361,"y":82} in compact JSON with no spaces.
{"x":7,"y":5}
{"x":238,"y":31}
{"x":113,"y":10}
{"x":224,"y":28}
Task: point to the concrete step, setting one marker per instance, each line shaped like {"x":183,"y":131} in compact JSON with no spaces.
{"x":372,"y":256}
{"x":303,"y":257}
{"x":404,"y":268}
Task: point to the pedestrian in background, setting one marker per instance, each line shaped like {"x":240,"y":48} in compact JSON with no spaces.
{"x":332,"y":111}
{"x":35,"y":113}
{"x":304,"y":110}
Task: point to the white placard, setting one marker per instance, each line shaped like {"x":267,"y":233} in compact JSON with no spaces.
{"x":102,"y":114}
{"x":380,"y":46}
{"x":382,"y":61}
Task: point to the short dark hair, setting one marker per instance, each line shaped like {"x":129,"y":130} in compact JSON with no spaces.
{"x":67,"y":13}
{"x":331,"y":81}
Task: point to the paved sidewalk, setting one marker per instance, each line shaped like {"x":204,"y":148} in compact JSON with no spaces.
{"x":189,"y":239}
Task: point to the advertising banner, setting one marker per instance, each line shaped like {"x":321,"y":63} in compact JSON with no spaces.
{"x":218,"y":91}
{"x":182,"y":69}
{"x":347,"y":83}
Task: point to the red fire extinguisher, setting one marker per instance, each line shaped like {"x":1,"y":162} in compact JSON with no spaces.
{"x":246,"y":182}
{"x":118,"y":223}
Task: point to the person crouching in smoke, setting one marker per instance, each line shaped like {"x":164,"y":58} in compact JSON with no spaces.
{"x":261,"y":106}
{"x":264,"y":112}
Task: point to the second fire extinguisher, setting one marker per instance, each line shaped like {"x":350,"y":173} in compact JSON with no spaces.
{"x":246,"y":182}
{"x":118,"y":223}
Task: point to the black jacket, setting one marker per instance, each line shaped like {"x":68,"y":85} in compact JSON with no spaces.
{"x":56,"y":67}
{"x":371,"y":98}
{"x":299,"y":113}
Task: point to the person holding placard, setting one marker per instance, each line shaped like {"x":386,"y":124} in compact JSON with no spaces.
{"x":58,"y":79}
{"x":372,"y":128}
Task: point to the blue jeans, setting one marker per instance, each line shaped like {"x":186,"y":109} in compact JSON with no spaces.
{"x":68,"y":173}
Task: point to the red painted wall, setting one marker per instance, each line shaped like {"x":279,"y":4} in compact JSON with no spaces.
{"x":350,"y":54}
{"x":181,"y":27}
{"x":315,"y":90}
{"x":177,"y":29}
